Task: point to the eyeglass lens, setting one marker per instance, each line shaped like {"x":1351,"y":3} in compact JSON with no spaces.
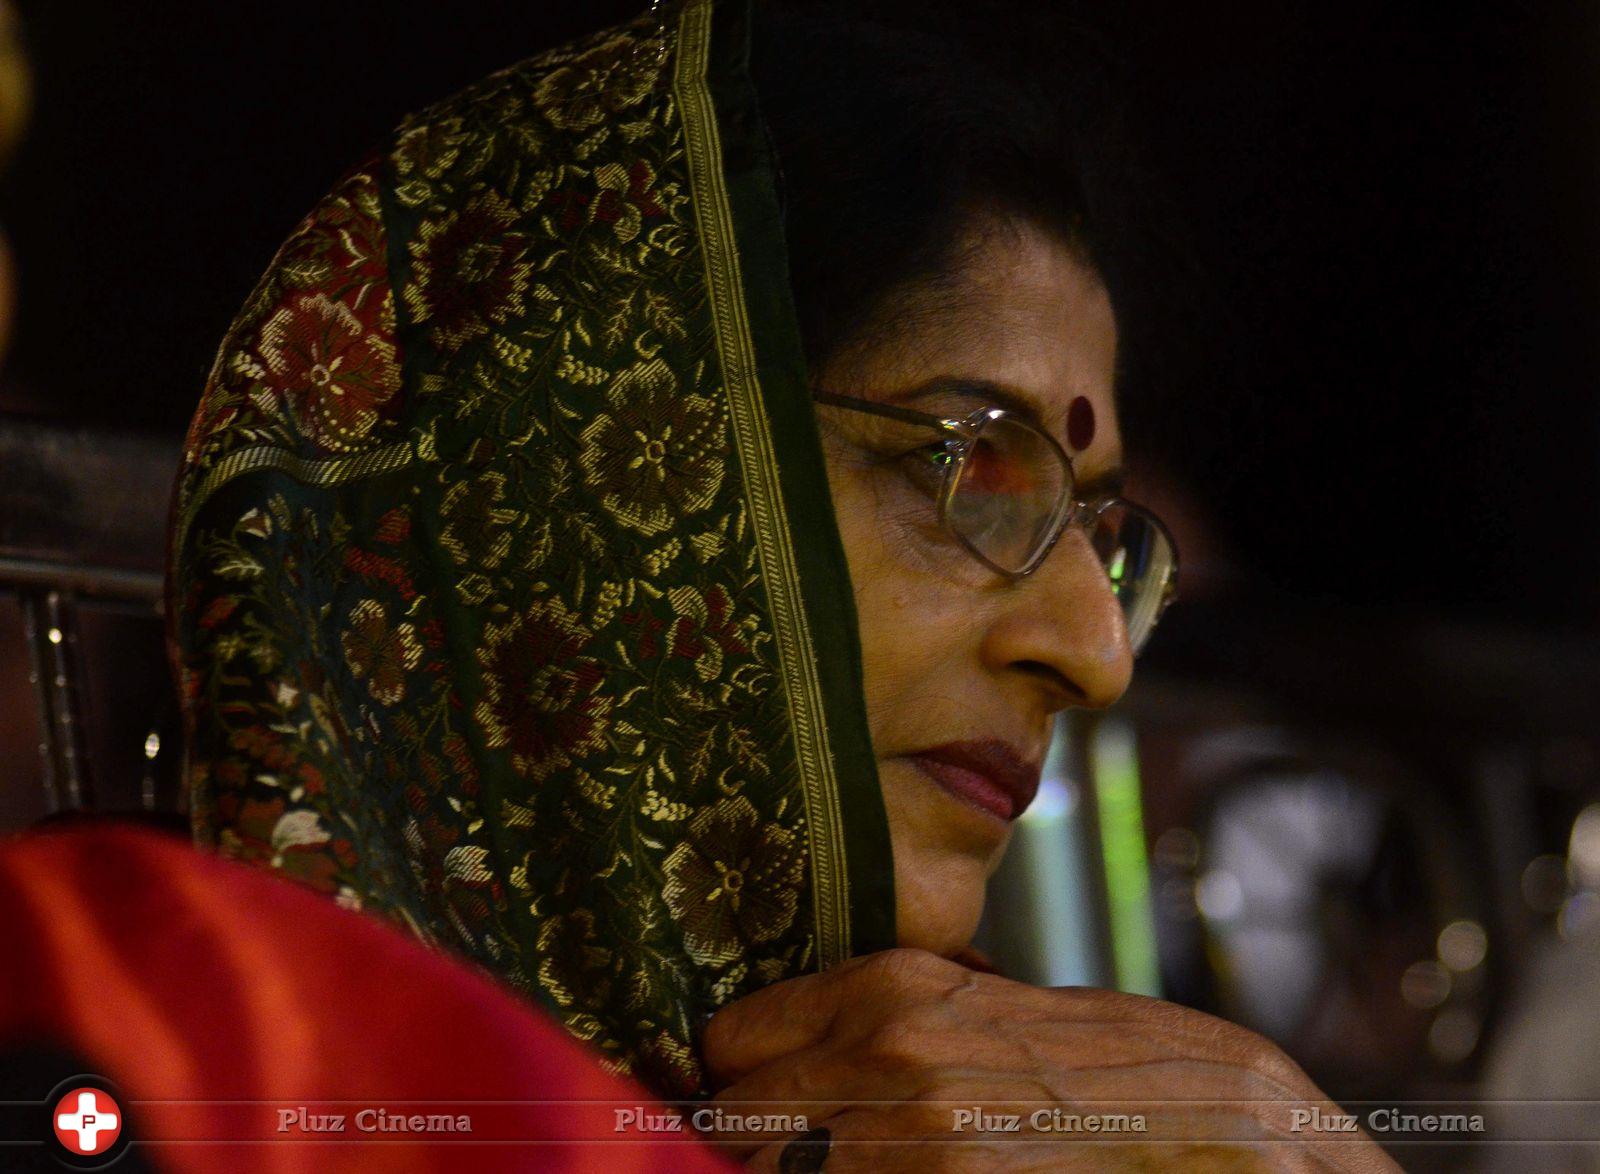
{"x":1011,"y":488}
{"x":1007,"y":502}
{"x":1139,"y":561}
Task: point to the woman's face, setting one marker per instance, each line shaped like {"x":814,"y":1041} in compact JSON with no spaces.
{"x":963,"y":667}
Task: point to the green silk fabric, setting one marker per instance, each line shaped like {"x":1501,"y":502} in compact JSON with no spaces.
{"x":507,"y":597}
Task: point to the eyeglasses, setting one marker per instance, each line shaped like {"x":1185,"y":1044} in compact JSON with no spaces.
{"x":1008,"y":493}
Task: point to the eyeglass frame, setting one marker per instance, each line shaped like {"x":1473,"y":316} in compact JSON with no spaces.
{"x":961,"y":433}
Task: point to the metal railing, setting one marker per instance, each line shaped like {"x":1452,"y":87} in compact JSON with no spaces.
{"x":82,"y":520}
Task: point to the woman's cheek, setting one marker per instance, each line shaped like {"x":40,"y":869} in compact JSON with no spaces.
{"x":906,"y":553}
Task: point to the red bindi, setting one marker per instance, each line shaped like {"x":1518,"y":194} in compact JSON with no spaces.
{"x":1080,"y":424}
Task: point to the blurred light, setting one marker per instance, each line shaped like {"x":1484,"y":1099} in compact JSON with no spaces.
{"x":1219,"y":895}
{"x":1583,"y":852}
{"x":1119,"y":804}
{"x":1544,"y":883}
{"x":1425,"y":985}
{"x":152,"y":745}
{"x":1454,"y":1035}
{"x":53,"y":635}
{"x":1178,"y":848}
{"x":1462,"y":945}
{"x":1055,"y":800}
{"x":1580,"y":916}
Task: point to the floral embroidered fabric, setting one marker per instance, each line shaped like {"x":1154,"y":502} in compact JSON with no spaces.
{"x":503,"y":554}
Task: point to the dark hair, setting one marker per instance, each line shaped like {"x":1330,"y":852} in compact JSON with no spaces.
{"x":890,"y":139}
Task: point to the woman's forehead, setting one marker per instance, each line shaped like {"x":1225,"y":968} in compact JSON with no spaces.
{"x":1032,"y":309}
{"x":1024,"y":323}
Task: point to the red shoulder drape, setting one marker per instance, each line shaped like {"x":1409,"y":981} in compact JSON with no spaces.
{"x":219,"y":997}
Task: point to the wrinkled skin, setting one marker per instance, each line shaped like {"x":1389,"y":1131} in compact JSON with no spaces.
{"x":887,"y":1047}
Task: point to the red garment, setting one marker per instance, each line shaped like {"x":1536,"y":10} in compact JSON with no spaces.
{"x":191,"y":981}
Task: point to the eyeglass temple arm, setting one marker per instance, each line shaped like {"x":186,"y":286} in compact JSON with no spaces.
{"x":907,"y":415}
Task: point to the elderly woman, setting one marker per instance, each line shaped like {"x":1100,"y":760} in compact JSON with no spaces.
{"x":638,"y":538}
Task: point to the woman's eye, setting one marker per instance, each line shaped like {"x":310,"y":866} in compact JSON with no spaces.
{"x":926,"y":465}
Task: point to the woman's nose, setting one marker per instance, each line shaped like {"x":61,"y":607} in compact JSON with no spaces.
{"x":1063,"y":629}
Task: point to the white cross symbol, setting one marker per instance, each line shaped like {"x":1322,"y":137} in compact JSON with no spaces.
{"x":88,"y":1122}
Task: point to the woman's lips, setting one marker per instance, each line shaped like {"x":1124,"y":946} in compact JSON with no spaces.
{"x":990,"y":775}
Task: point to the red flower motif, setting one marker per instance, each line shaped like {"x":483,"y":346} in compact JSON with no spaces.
{"x":312,"y":779}
{"x":470,"y":273}
{"x":703,"y":631}
{"x":656,"y":457}
{"x":625,"y":197}
{"x":375,"y":566}
{"x":393,"y":527}
{"x":218,"y":610}
{"x":649,"y":630}
{"x":264,"y":746}
{"x":381,"y":652}
{"x":331,"y":370}
{"x":541,"y":695}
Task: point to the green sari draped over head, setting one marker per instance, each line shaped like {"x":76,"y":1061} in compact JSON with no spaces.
{"x":507,"y":596}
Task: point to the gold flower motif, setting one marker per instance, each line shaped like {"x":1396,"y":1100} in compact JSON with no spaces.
{"x":475,"y":530}
{"x":431,"y":148}
{"x":381,"y":654}
{"x":597,"y":85}
{"x":625,"y":198}
{"x":657,"y":456}
{"x":733,"y":882}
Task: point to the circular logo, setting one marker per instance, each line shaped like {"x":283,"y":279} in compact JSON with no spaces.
{"x":87,"y":1121}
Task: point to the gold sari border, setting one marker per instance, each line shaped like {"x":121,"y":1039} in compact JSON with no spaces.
{"x":763,"y":495}
{"x":332,"y":471}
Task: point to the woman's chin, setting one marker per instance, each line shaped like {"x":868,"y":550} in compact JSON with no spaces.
{"x":944,"y":853}
{"x":938,"y":900}
{"x":945,"y":830}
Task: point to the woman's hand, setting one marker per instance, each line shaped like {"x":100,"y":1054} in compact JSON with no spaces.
{"x":899,"y":1053}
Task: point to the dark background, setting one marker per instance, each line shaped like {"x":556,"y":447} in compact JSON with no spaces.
{"x":1372,"y":239}
{"x":1388,"y":284}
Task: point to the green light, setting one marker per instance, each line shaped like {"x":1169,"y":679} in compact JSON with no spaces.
{"x":1127,"y":873}
{"x":1119,"y":564}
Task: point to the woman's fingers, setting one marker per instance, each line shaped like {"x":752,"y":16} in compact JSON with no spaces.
{"x":905,"y":1139}
{"x":1174,"y":1103}
{"x":909,"y":1140}
{"x":819,"y":1085}
{"x":791,"y":1016}
{"x":892,"y":1049}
